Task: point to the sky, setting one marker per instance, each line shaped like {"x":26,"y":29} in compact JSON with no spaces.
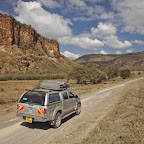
{"x":84,"y":26}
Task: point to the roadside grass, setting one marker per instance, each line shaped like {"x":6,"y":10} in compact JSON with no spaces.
{"x":125,"y":124}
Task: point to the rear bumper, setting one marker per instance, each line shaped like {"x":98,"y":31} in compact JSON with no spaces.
{"x":34,"y":118}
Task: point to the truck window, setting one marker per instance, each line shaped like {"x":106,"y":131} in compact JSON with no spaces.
{"x":33,"y":97}
{"x":65,"y":96}
{"x":54,"y":97}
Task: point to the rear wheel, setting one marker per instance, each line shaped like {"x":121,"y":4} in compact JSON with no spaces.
{"x":57,"y":120}
{"x":78,"y":110}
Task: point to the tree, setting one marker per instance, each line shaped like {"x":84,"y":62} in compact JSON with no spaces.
{"x":95,"y":75}
{"x":125,"y":73}
{"x":112,"y":72}
{"x":78,"y":73}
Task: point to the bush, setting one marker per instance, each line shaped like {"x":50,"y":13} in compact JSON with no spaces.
{"x":95,"y":75}
{"x":79,"y":74}
{"x":112,"y":72}
{"x":87,"y":73}
{"x":125,"y":73}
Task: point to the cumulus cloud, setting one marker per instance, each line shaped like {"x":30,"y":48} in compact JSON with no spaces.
{"x":109,"y":15}
{"x":139,"y":42}
{"x":49,"y":3}
{"x":78,"y":3}
{"x":49,"y":25}
{"x":93,"y":13}
{"x":112,"y":41}
{"x":83,"y":42}
{"x":103,"y":52}
{"x":70,"y":55}
{"x":130,"y":13}
{"x":88,"y":10}
{"x":103,"y":30}
{"x":129,"y":51}
{"x":107,"y":32}
{"x":118,"y":52}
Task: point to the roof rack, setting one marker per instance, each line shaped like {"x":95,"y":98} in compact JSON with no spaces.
{"x":53,"y":85}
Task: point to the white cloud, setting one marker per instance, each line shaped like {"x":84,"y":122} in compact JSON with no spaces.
{"x":130,"y":13}
{"x":129,"y":51}
{"x":109,"y":15}
{"x":112,"y":41}
{"x":103,"y":52}
{"x":88,"y":10}
{"x":79,"y":3}
{"x":107,"y":32}
{"x":70,"y":55}
{"x":139,"y":42}
{"x":49,"y":3}
{"x":93,"y":13}
{"x":118,"y":52}
{"x":47,"y":24}
{"x":103,"y":30}
{"x":83,"y":42}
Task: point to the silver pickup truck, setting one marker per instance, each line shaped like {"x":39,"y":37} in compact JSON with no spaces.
{"x":43,"y":105}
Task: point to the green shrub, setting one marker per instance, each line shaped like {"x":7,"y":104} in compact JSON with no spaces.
{"x":112,"y":72}
{"x":125,"y":73}
{"x":79,"y":74}
{"x":89,"y":73}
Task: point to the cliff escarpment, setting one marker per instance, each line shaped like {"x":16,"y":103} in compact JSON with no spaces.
{"x":26,"y":38}
{"x":23,"y":50}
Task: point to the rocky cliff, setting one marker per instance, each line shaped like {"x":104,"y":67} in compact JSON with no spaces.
{"x":26,"y":38}
{"x":23,"y":50}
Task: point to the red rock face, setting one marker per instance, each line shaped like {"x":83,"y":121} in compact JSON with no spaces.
{"x":26,"y":38}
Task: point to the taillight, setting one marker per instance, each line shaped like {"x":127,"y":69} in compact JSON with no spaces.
{"x":45,"y":111}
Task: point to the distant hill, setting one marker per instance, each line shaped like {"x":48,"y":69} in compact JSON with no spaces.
{"x":23,"y":50}
{"x":133,"y":61}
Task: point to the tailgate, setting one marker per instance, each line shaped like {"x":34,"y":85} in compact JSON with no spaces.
{"x":30,"y":109}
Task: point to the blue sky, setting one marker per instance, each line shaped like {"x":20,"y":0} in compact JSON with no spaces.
{"x":84,"y":26}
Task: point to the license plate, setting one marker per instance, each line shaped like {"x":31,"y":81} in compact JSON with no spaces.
{"x":29,"y":120}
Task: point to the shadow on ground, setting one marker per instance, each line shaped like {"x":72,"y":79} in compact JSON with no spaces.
{"x":44,"y":125}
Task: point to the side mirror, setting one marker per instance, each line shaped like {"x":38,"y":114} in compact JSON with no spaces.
{"x":76,"y":96}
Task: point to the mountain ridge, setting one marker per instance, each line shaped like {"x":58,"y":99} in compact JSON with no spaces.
{"x":133,"y":61}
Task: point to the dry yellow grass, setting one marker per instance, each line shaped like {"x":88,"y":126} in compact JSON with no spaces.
{"x":124,"y":125}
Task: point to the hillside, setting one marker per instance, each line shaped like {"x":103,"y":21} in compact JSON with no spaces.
{"x":23,"y":50}
{"x":133,"y":61}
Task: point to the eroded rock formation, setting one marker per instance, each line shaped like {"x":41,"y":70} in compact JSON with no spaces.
{"x":12,"y":32}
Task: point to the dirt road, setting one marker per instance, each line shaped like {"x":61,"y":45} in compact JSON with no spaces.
{"x":95,"y":106}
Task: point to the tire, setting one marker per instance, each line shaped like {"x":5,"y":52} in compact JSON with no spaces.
{"x":57,"y":120}
{"x":78,"y":110}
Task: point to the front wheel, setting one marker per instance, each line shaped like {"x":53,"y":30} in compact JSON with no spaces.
{"x":78,"y":110}
{"x":57,"y":120}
